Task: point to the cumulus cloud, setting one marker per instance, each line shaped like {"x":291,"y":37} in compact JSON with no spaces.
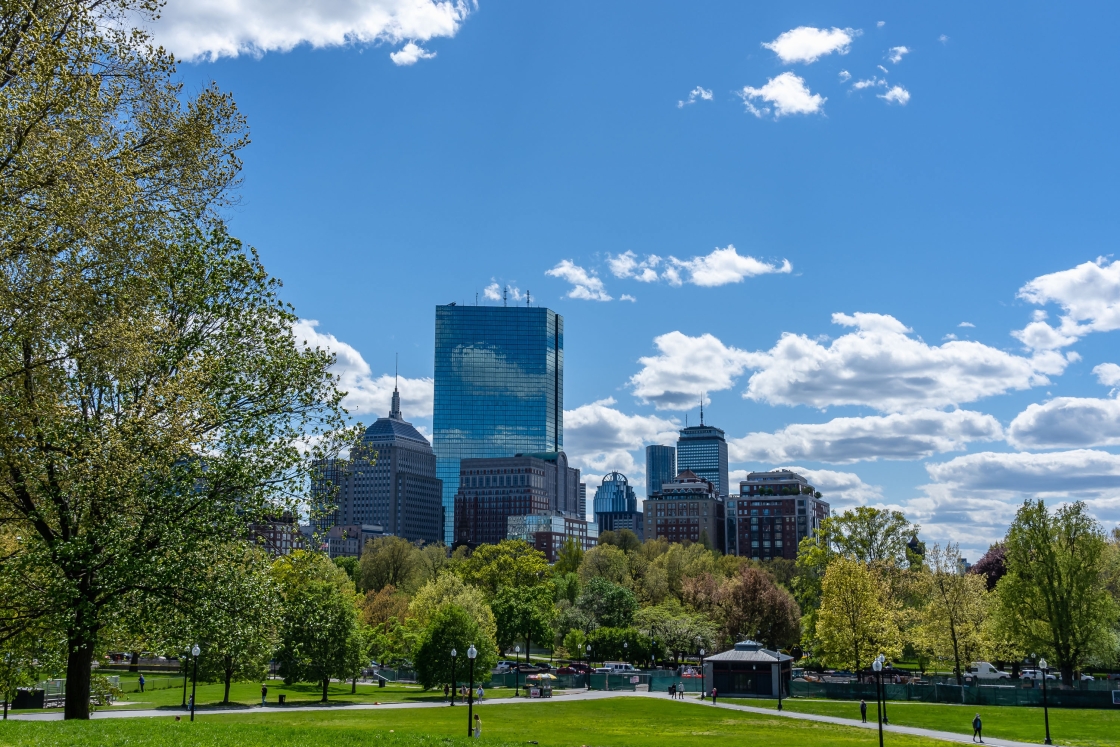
{"x":895,"y":54}
{"x":881,"y":365}
{"x":868,"y":83}
{"x":627,"y":265}
{"x":808,"y":44}
{"x":721,"y":267}
{"x":966,"y":324}
{"x":366,"y":395}
{"x":896,"y":95}
{"x":493,"y":292}
{"x":601,"y":438}
{"x":696,"y":94}
{"x":585,"y":285}
{"x":684,"y":368}
{"x":410,"y":54}
{"x":1107,"y":374}
{"x":1065,"y":422}
{"x":913,"y":435}
{"x":211,"y":29}
{"x":840,"y":489}
{"x":845,"y":76}
{"x":627,"y":297}
{"x":787,"y":93}
{"x":1089,"y":296}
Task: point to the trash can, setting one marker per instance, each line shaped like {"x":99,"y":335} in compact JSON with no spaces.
{"x":281,"y":698}
{"x":29,"y":698}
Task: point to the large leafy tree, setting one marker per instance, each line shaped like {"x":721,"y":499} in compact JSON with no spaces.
{"x":510,"y":563}
{"x":752,"y":606}
{"x":609,"y":605}
{"x":523,"y":614}
{"x":453,"y":628}
{"x":953,"y":620}
{"x":388,"y":561}
{"x":853,"y":623}
{"x":1054,"y":597}
{"x":675,"y":630}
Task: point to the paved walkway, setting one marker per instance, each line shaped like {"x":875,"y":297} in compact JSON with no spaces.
{"x":945,"y":736}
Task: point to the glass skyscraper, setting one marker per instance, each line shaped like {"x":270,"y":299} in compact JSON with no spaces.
{"x":616,"y":506}
{"x":499,"y":388}
{"x":661,"y":467}
{"x":703,"y":449}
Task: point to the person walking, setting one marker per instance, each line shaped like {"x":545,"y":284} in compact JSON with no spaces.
{"x":715,"y":693}
{"x":264,"y":694}
{"x":673,"y":691}
{"x":141,"y":683}
{"x":977,"y":725}
{"x":863,"y":710}
{"x":477,"y":726}
{"x":481,"y":693}
{"x":445,"y":691}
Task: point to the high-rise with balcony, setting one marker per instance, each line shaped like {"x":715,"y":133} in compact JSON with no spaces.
{"x":499,"y":388}
{"x":702,"y":449}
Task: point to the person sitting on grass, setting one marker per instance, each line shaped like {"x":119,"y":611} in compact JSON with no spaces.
{"x":977,"y":725}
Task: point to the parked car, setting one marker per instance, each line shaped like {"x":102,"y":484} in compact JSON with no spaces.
{"x":619,"y":667}
{"x":985,"y":671}
{"x":505,"y":666}
{"x":1035,"y":675}
{"x":576,"y":667}
{"x":1087,"y":677}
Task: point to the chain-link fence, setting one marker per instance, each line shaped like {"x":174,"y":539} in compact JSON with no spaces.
{"x":992,"y":695}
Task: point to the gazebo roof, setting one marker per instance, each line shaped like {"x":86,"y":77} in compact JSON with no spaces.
{"x":750,"y":651}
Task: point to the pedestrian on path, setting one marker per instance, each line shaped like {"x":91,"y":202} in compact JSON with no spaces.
{"x":714,"y":694}
{"x":863,"y":710}
{"x":445,"y":691}
{"x":477,"y":726}
{"x":481,"y":693}
{"x":141,"y":683}
{"x":977,"y":725}
{"x":673,"y":692}
{"x":264,"y":694}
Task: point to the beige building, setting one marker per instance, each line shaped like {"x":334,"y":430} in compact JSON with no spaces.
{"x":688,"y":508}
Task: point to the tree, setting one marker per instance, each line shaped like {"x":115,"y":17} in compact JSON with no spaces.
{"x":752,"y":606}
{"x":853,"y":624}
{"x":991,"y":566}
{"x":510,"y":563}
{"x":350,"y":565}
{"x":388,"y":561}
{"x":623,"y":539}
{"x":870,"y":535}
{"x":431,"y":562}
{"x":450,"y":589}
{"x":574,"y":643}
{"x":674,"y":629}
{"x":953,"y":620}
{"x":452,"y":628}
{"x":522,"y":614}
{"x":320,"y":639}
{"x":1054,"y":597}
{"x":619,"y":644}
{"x":609,"y":605}
{"x":566,"y":587}
{"x":605,"y":562}
{"x":569,"y":558}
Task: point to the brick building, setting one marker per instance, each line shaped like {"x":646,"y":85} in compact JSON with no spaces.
{"x":687,"y":508}
{"x":772,"y":514}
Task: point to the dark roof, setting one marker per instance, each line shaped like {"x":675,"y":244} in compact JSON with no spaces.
{"x":750,"y":651}
{"x":386,"y":429}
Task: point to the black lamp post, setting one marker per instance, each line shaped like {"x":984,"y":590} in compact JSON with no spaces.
{"x":882,"y":685}
{"x":587,"y":661}
{"x":194,"y":677}
{"x":454,"y":684}
{"x":781,"y":681}
{"x":878,"y":667}
{"x":1045,"y":707}
{"x":698,"y":639}
{"x":186,"y":669}
{"x":517,"y":671}
{"x":471,"y":653}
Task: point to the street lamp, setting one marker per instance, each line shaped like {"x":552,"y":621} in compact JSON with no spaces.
{"x":186,"y":669}
{"x":517,"y":671}
{"x":625,"y":651}
{"x":883,"y":661}
{"x":878,"y":667}
{"x":194,"y":677}
{"x":587,"y":661}
{"x":454,"y":685}
{"x":781,"y":680}
{"x":471,"y":653}
{"x":1045,"y":709}
{"x":698,"y":641}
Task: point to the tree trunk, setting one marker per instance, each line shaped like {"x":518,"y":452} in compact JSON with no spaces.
{"x":134,"y":662}
{"x":78,"y":675}
{"x":229,"y":678}
{"x":956,"y":657}
{"x":1067,"y":675}
{"x":326,"y":682}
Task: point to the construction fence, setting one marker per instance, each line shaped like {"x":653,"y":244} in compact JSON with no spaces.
{"x":990,"y":695}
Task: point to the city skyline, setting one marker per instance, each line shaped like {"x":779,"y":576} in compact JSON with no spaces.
{"x":738,"y":202}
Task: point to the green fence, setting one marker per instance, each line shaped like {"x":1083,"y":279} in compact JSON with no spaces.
{"x":992,"y":695}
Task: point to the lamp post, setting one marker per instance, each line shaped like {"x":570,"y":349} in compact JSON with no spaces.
{"x":878,"y":667}
{"x":454,"y":684}
{"x":194,"y":677}
{"x":698,"y":641}
{"x":1045,"y":709}
{"x":883,"y":663}
{"x":781,"y":681}
{"x":186,"y":669}
{"x":587,"y":661}
{"x":625,"y":651}
{"x":517,"y":671}
{"x":471,"y":653}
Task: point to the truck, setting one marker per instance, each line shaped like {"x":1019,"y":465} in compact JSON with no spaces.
{"x":985,"y":671}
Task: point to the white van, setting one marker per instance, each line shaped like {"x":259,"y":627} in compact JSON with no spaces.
{"x":618,"y":667}
{"x":985,"y":671}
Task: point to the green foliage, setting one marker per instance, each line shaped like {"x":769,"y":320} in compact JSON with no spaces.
{"x":623,"y":539}
{"x":452,"y":628}
{"x":350,"y":565}
{"x":620,"y":644}
{"x":606,"y":562}
{"x":675,"y":630}
{"x":566,"y":587}
{"x":569,"y":558}
{"x":609,"y":605}
{"x":953,"y":620}
{"x":523,"y":614}
{"x":388,"y":561}
{"x":854,"y":624}
{"x":869,"y":535}
{"x":510,"y":563}
{"x":450,"y":589}
{"x":752,"y":606}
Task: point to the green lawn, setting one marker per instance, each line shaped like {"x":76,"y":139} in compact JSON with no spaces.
{"x":1068,"y":726}
{"x":629,"y":722}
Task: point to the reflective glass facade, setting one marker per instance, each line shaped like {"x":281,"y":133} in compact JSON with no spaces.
{"x":703,"y":449}
{"x":499,"y":388}
{"x":661,"y":467}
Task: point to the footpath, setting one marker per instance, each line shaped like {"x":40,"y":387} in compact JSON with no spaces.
{"x":945,"y":736}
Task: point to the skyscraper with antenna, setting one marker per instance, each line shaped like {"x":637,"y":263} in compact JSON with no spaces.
{"x":703,"y":450}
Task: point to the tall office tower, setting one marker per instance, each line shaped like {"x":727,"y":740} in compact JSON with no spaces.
{"x":616,"y":506}
{"x":661,"y":466}
{"x":499,"y":388}
{"x":583,"y":501}
{"x":774,"y":512}
{"x":389,"y":483}
{"x":702,"y":449}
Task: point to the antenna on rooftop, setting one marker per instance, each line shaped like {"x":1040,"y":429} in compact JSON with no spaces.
{"x":528,"y":298}
{"x":505,"y":295}
{"x":476,"y":298}
{"x":396,"y":369}
{"x":701,"y":408}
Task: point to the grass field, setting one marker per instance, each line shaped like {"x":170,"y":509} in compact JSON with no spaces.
{"x":1068,"y":726}
{"x":629,"y":722}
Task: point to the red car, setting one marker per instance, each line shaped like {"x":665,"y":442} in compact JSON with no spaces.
{"x":574,"y":668}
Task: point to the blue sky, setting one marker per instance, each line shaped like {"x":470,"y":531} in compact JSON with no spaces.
{"x":917,"y":168}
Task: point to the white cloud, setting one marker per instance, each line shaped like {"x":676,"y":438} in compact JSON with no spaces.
{"x":943,"y":38}
{"x":493,"y":292}
{"x":626,"y":265}
{"x":627,"y":297}
{"x":1066,"y":422}
{"x":808,"y":44}
{"x":686,"y":367}
{"x":949,"y":336}
{"x":723,"y":266}
{"x":913,"y":435}
{"x":881,"y":365}
{"x":787,"y":93}
{"x":585,"y":285}
{"x":696,"y":94}
{"x":211,"y":29}
{"x":896,"y":54}
{"x":966,"y":324}
{"x":599,"y":437}
{"x":1108,"y":374}
{"x":840,"y":489}
{"x":845,"y":76}
{"x":896,"y":95}
{"x":885,"y":71}
{"x":1089,"y":295}
{"x":410,"y":54}
{"x":365,"y":394}
{"x":881,"y":24}
{"x":868,"y":83}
